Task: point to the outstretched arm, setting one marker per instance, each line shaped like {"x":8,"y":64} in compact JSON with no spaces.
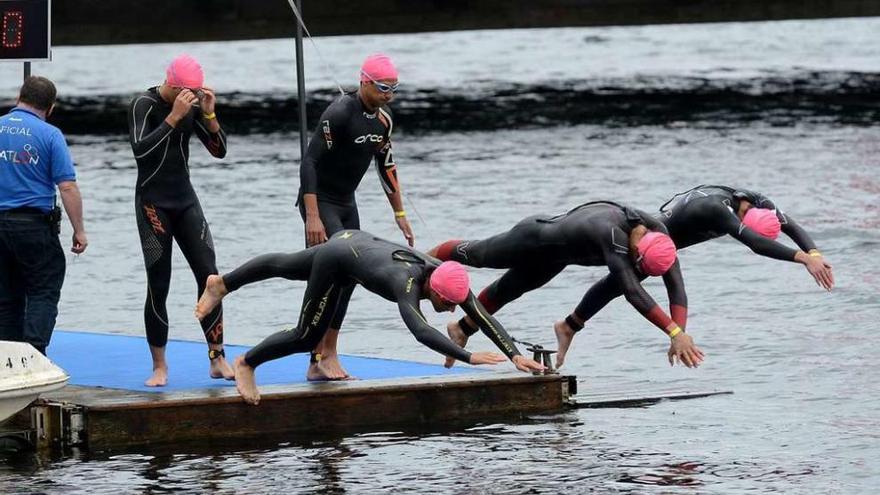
{"x":797,"y":233}
{"x":672,"y":278}
{"x":815,"y":265}
{"x":677,"y":296}
{"x":426,"y":334}
{"x":729,"y":222}
{"x":810,"y":257}
{"x":682,"y":347}
{"x":489,"y":326}
{"x":497,"y":334}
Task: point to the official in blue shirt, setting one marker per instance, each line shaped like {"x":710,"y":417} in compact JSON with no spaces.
{"x":34,"y":159}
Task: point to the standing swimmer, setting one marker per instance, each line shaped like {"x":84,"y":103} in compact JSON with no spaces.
{"x":161,"y":121}
{"x":353,"y":131}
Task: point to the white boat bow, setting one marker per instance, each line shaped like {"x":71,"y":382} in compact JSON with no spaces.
{"x":24,"y":375}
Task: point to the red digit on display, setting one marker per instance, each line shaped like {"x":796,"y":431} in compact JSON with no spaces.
{"x":12,"y":23}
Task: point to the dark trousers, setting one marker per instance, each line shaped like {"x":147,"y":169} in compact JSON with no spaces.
{"x":32,"y":269}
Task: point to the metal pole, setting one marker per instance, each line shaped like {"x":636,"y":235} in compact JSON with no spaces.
{"x":301,"y":84}
{"x":27,"y":70}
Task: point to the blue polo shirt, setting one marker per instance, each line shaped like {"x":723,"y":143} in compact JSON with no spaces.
{"x":33,"y":159}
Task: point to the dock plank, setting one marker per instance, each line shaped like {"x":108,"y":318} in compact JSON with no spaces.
{"x":117,"y":418}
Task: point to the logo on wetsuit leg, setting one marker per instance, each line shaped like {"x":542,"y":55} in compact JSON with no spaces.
{"x":214,"y":334}
{"x":409,"y":285}
{"x":373,"y":138}
{"x":328,"y":138}
{"x":320,"y":311}
{"x":154,"y":219}
{"x":461,"y":249}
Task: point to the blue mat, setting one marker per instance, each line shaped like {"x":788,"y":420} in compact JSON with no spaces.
{"x":122,"y":361}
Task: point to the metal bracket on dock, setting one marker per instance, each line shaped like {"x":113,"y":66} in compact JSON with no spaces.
{"x":542,"y":356}
{"x":57,"y":424}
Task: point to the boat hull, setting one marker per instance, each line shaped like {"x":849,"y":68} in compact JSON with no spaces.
{"x":24,"y":375}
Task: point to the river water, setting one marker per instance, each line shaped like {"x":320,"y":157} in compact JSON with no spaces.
{"x":493,"y":126}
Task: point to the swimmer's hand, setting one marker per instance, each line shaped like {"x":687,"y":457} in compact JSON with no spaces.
{"x":182,"y":106}
{"x":523,"y":363}
{"x":819,"y":269}
{"x":405,"y":227}
{"x":315,"y":233}
{"x":487,"y":358}
{"x":683,"y":350}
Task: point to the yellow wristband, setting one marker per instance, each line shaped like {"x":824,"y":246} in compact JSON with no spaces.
{"x":815,"y":253}
{"x":399,"y":214}
{"x":675,"y":331}
{"x":210,"y":116}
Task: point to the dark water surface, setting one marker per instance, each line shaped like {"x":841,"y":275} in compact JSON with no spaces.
{"x":801,"y":361}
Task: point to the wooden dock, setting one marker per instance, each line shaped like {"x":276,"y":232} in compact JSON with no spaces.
{"x":102,"y":419}
{"x":107,"y":408}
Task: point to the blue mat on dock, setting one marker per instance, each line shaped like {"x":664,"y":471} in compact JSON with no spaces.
{"x":122,"y":361}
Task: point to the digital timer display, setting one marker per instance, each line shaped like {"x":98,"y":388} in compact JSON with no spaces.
{"x":25,"y":29}
{"x":12,"y":23}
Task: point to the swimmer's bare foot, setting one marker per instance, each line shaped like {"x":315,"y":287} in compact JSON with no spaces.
{"x":160,"y":368}
{"x":327,"y":368}
{"x":332,"y":367}
{"x":245,"y":382}
{"x":159,"y":377}
{"x":220,"y":368}
{"x":214,"y":292}
{"x":564,"y":336}
{"x":457,"y":335}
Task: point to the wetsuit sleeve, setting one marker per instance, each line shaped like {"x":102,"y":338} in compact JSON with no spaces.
{"x":145,"y":139}
{"x":729,"y":222}
{"x":793,"y":230}
{"x":426,"y":334}
{"x":329,"y":133}
{"x":624,"y":274}
{"x":215,"y":143}
{"x":489,"y":325}
{"x":385,"y":165}
{"x":677,"y":296}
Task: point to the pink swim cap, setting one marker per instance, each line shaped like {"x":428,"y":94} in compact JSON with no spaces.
{"x":763,"y":221}
{"x":451,"y":281}
{"x":377,"y":67}
{"x":185,"y":72}
{"x":657,"y":252}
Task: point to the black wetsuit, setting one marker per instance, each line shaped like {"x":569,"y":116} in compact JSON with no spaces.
{"x":166,"y":207}
{"x":540,"y":247}
{"x":394,"y":272}
{"x":347,"y":139}
{"x":701,"y":214}
{"x":709,"y":212}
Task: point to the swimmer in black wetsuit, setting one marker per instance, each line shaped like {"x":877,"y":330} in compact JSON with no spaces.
{"x":397,"y":273}
{"x":161,"y":121}
{"x":631,"y":243}
{"x":353,"y":131}
{"x":709,"y":212}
